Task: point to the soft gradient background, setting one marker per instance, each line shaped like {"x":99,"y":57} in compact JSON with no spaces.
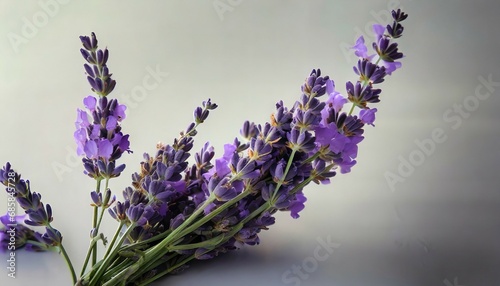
{"x":438,"y":226}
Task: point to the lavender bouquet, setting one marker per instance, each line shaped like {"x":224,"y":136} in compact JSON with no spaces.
{"x":176,"y":211}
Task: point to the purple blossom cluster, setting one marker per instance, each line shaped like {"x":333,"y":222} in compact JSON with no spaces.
{"x":98,"y":132}
{"x":176,"y":210}
{"x":217,"y":205}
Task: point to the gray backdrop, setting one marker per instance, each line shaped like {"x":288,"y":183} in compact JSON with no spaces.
{"x":420,"y":208}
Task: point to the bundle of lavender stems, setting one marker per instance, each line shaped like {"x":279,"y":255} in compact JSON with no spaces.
{"x":176,"y":210}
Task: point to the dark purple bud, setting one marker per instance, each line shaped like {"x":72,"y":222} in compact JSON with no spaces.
{"x":396,"y":30}
{"x":200,"y":114}
{"x":134,"y":212}
{"x":190,"y":128}
{"x":86,"y":42}
{"x":97,"y":72}
{"x":178,"y":220}
{"x":387,"y":51}
{"x":249,"y":130}
{"x":89,"y":70}
{"x":118,"y":212}
{"x":110,"y":86}
{"x":361,"y":95}
{"x":368,"y":71}
{"x":398,"y":15}
{"x":100,"y":57}
{"x":204,"y":254}
{"x":300,"y":140}
{"x":353,"y":126}
{"x":96,"y":198}
{"x":93,"y":232}
{"x":246,"y":168}
{"x":93,"y":40}
{"x":223,"y":191}
{"x":93,"y":84}
{"x":39,"y":217}
{"x":52,"y":237}
{"x":105,"y":56}
{"x":86,"y":55}
{"x":209,"y":105}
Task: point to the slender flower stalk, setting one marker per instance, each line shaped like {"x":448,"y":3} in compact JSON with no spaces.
{"x":185,"y":205}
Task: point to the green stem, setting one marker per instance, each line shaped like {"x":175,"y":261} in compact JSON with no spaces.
{"x":96,"y":277}
{"x":282,"y":180}
{"x":166,"y":271}
{"x":65,"y":256}
{"x":352,"y":109}
{"x":68,"y":262}
{"x":115,"y":236}
{"x":93,"y":249}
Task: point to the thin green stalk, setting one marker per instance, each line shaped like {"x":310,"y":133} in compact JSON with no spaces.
{"x":224,"y":237}
{"x":166,"y":271}
{"x":95,"y":278}
{"x":93,"y":249}
{"x":115,"y":236}
{"x":65,"y":256}
{"x":147,"y":241}
{"x":287,"y":168}
{"x":68,"y":262}
{"x":152,"y":265}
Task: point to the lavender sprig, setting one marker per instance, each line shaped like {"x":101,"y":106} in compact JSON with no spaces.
{"x":98,"y":130}
{"x":236,"y":196}
{"x":176,"y":211}
{"x":37,"y":213}
{"x":304,"y":144}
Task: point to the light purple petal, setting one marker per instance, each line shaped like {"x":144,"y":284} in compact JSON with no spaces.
{"x":345,"y":166}
{"x":391,"y":66}
{"x":96,"y":131}
{"x":111,"y":123}
{"x":378,"y":30}
{"x":221,"y":167}
{"x":80,"y":149}
{"x":338,"y":101}
{"x":229,"y":150}
{"x":119,"y":112}
{"x":124,"y":144}
{"x":6,"y":219}
{"x":360,"y":48}
{"x":90,"y":149}
{"x":330,"y":86}
{"x":297,"y":205}
{"x":105,"y":149}
{"x":338,"y":142}
{"x":324,"y":134}
{"x":82,"y":119}
{"x":90,"y":102}
{"x":367,"y":116}
{"x":80,"y":135}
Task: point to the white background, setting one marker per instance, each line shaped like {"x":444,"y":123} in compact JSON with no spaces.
{"x":438,"y":226}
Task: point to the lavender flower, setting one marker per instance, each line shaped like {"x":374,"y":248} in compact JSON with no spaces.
{"x":175,"y":212}
{"x":37,"y":214}
{"x":98,"y":132}
{"x":98,"y":74}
